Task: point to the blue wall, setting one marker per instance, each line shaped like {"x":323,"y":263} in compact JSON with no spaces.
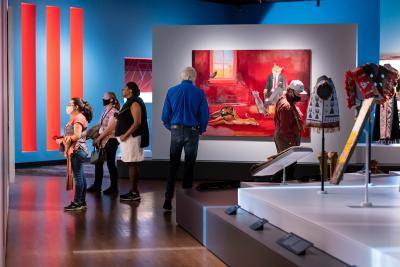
{"x":112,"y":30}
{"x":390,"y":27}
{"x":365,"y":13}
{"x":117,"y":29}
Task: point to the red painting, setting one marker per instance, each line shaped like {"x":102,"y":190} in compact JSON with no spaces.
{"x":239,"y":84}
{"x":139,"y":70}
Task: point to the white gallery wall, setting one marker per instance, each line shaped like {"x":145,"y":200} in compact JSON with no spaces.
{"x":333,"y":51}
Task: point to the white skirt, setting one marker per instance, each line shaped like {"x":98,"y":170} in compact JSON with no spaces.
{"x":131,"y":150}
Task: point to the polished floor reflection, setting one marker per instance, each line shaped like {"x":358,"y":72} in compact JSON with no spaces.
{"x":109,"y":233}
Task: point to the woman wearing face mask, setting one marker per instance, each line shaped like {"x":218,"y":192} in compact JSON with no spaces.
{"x":108,"y":141}
{"x":76,"y":150}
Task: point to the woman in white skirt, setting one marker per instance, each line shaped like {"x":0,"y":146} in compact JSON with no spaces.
{"x":132,"y":132}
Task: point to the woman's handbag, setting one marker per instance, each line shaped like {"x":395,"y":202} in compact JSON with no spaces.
{"x":98,"y":155}
{"x":93,"y":133}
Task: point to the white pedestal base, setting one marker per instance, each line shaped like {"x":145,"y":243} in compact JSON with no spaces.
{"x":335,"y":222}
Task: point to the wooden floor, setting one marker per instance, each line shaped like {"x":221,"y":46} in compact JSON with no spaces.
{"x":109,"y":233}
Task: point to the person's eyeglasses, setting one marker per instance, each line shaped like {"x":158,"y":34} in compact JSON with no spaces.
{"x":70,"y":105}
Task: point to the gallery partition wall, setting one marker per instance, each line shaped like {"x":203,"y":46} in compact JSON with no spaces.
{"x":4,"y":153}
{"x":175,"y":47}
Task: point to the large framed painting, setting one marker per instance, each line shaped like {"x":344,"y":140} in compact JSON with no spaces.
{"x":242,"y":87}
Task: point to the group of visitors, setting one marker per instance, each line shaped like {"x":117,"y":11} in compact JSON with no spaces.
{"x":185,"y":114}
{"x":126,"y":127}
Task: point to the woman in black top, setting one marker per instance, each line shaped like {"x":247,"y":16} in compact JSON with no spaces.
{"x":132,"y":132}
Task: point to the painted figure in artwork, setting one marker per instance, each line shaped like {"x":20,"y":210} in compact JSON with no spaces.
{"x":228,"y":116}
{"x":274,"y":87}
{"x":259,"y":103}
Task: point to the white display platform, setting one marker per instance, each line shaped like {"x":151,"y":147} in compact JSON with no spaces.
{"x":373,"y":175}
{"x":394,"y":172}
{"x":357,"y":236}
{"x":393,"y":178}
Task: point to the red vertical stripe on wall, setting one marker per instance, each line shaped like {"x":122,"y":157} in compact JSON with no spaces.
{"x":52,"y":75}
{"x":28,"y":76}
{"x":76,"y":39}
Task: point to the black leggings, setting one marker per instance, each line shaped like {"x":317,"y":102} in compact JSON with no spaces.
{"x":111,"y":152}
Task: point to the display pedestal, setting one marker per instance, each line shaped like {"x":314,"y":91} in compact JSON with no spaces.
{"x":284,"y":177}
{"x":367,"y":132}
{"x":335,"y":222}
{"x":203,"y":215}
{"x":349,"y":180}
{"x":322,"y":192}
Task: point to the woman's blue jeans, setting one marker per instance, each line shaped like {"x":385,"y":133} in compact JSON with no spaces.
{"x":77,"y":160}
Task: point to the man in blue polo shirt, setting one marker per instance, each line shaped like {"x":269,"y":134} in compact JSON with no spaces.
{"x":185,"y":114}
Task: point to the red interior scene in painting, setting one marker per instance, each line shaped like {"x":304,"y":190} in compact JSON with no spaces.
{"x":234,"y":82}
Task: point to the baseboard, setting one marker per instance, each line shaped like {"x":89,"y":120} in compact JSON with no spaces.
{"x":212,"y":170}
{"x":40,"y":163}
{"x":219,"y":170}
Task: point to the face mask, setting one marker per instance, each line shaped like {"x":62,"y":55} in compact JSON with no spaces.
{"x":292,"y":98}
{"x":296,"y":98}
{"x":69,"y":110}
{"x":106,"y":102}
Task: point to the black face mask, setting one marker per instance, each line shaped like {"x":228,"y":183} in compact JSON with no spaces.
{"x":106,"y":102}
{"x":296,"y":98}
{"x":293,"y":98}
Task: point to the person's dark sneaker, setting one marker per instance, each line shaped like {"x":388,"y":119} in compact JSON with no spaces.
{"x":131,"y":196}
{"x":73,"y":207}
{"x":83,"y":205}
{"x":167,"y":204}
{"x":110,"y":191}
{"x":93,"y":189}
